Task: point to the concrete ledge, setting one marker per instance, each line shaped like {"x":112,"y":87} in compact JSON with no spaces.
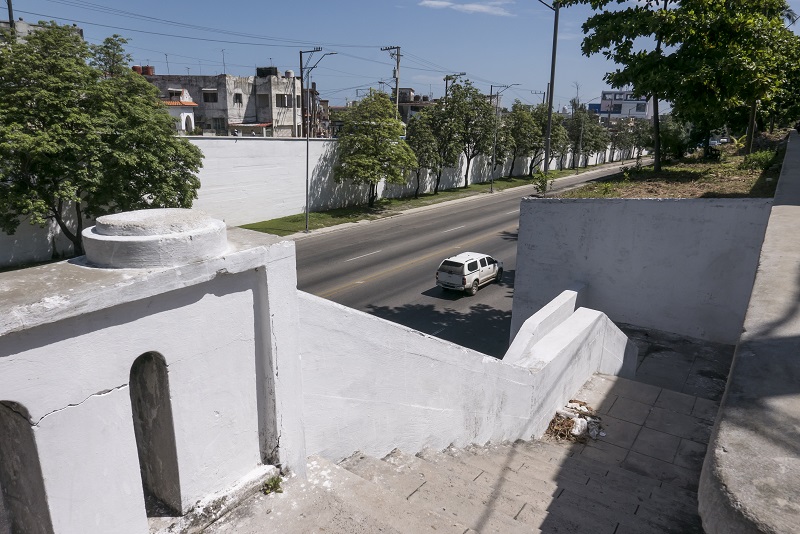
{"x":540,"y":324}
{"x":751,"y":476}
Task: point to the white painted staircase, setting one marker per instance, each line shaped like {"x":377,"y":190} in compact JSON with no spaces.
{"x":524,"y":487}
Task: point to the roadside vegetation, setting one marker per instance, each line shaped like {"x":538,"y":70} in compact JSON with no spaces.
{"x":387,"y":207}
{"x":735,"y":175}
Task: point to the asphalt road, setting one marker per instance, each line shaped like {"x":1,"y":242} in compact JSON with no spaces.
{"x":387,"y":267}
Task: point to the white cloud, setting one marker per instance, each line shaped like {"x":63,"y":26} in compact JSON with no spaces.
{"x":485,"y":8}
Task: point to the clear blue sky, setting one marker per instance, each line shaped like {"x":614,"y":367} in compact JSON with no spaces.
{"x":494,"y":42}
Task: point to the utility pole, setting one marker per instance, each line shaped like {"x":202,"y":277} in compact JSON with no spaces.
{"x":224,"y":69}
{"x":555,"y":8}
{"x":303,"y":118}
{"x":494,"y":145}
{"x":453,"y":77}
{"x":166,"y":57}
{"x":394,"y":52}
{"x":11,"y":24}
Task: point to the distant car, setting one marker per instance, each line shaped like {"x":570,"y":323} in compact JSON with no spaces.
{"x":468,"y":271}
{"x":713,"y":142}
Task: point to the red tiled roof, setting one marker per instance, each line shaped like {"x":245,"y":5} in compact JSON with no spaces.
{"x":179,"y":103}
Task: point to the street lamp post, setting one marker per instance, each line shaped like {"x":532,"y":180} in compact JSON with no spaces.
{"x":555,"y":8}
{"x":306,"y":125}
{"x":494,"y":145}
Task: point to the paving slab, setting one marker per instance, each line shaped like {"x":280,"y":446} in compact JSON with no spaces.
{"x":656,"y":444}
{"x":677,"y":424}
{"x":676,"y":401}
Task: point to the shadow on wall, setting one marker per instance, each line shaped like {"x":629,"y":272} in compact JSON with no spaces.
{"x":325,"y":193}
{"x":483,"y":328}
{"x":33,"y":244}
{"x":23,"y":501}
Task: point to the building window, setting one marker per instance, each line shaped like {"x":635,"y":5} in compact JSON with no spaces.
{"x":641,"y":108}
{"x":282,"y":101}
{"x":237,"y":99}
{"x":298,"y":101}
{"x":218,"y":123}
{"x":616,"y":108}
{"x":209,"y":96}
{"x":174,"y":94}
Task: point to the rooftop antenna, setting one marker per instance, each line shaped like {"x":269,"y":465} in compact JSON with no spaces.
{"x":167,"y":58}
{"x":224,"y":71}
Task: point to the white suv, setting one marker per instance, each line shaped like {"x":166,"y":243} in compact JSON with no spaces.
{"x":468,"y":271}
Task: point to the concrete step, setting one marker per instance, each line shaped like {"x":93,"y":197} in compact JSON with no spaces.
{"x":583,"y":485}
{"x":333,"y":500}
{"x":443,"y":493}
{"x":537,"y":511}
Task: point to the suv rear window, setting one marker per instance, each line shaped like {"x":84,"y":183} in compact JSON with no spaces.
{"x":452,"y":267}
{"x":472,"y":266}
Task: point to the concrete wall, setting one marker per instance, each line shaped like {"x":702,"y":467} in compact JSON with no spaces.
{"x":372,"y":385}
{"x":683,"y":266}
{"x":185,"y":382}
{"x":67,"y":348}
{"x":251,"y":179}
{"x":751,"y":475}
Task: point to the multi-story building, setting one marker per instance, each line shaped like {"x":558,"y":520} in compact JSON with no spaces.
{"x":615,"y":105}
{"x":410,"y":103}
{"x":266,"y":104}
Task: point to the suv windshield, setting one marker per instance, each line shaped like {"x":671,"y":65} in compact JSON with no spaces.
{"x":452,"y":267}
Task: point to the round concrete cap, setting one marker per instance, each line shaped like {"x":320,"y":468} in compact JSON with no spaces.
{"x":155,"y":238}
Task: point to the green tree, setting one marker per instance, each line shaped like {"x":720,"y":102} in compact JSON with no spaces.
{"x":674,"y":137}
{"x":421,"y":139}
{"x":77,"y":142}
{"x":447,"y":148}
{"x":634,"y":38}
{"x":473,"y":122}
{"x":524,"y":133}
{"x":370,"y":147}
{"x":729,"y":56}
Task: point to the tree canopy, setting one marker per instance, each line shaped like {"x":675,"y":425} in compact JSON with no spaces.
{"x":714,"y":61}
{"x":370,"y":146}
{"x":472,"y":118}
{"x":82,"y":135}
{"x":422,"y":141}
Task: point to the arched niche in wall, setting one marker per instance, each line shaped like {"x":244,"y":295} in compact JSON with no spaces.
{"x":23,"y":500}
{"x":155,"y":435}
{"x":188,"y":126}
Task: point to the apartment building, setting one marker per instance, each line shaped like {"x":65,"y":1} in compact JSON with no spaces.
{"x":267,"y":104}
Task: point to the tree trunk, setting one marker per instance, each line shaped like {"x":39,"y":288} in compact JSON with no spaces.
{"x":466,"y":172}
{"x":438,"y":181}
{"x":513,"y":162}
{"x":373,"y":193}
{"x":77,"y":237}
{"x":751,"y":128}
{"x":656,"y":136}
{"x":416,"y":191}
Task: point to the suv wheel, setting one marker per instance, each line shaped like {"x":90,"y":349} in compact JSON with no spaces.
{"x":499,"y":277}
{"x":474,"y":287}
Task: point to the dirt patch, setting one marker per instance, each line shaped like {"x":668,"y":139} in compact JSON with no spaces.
{"x":734,"y":175}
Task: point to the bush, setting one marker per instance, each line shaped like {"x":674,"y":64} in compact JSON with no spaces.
{"x":758,"y":161}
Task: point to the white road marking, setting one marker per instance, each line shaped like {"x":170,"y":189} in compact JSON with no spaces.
{"x":515,"y":211}
{"x":437,"y":332}
{"x":362,"y":256}
{"x":456,"y":228}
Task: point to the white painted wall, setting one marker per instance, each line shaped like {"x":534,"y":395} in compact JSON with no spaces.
{"x":252,"y":179}
{"x":70,"y":333}
{"x":683,"y":266}
{"x":372,"y":385}
{"x":232,"y":330}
